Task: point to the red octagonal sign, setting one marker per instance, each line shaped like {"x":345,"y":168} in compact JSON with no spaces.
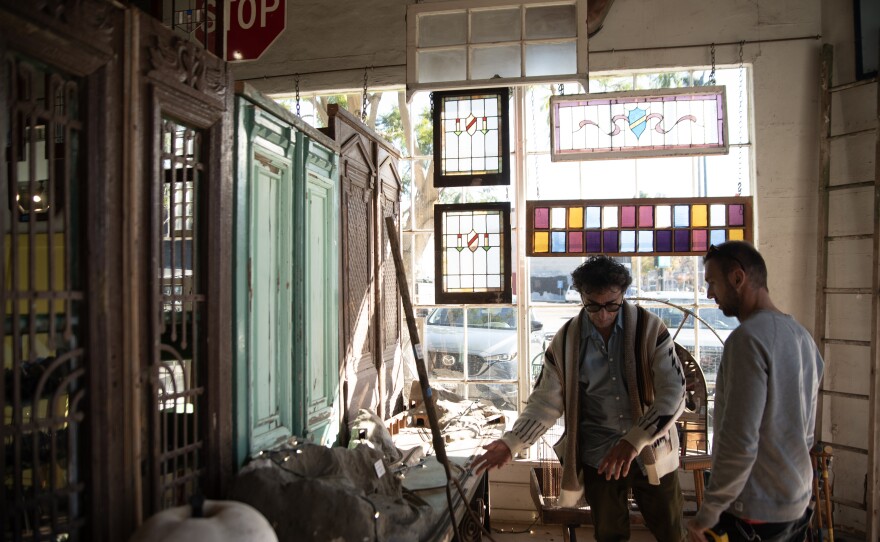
{"x":252,"y":26}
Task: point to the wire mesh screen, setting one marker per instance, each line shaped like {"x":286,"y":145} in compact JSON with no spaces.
{"x":178,"y":431}
{"x":44,"y":372}
{"x":551,"y":470}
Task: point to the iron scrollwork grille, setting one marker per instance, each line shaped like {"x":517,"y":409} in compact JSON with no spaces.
{"x":44,"y":376}
{"x":179,"y":446}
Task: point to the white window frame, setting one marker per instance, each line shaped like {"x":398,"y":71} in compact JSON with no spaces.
{"x":414,"y":11}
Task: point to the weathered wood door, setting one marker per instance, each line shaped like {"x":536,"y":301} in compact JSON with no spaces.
{"x":357,"y":175}
{"x":370,"y":327}
{"x":264,"y":165}
{"x":181,"y":190}
{"x":286,"y":331}
{"x":320,"y":358}
{"x":62,"y":461}
{"x":392,"y":378}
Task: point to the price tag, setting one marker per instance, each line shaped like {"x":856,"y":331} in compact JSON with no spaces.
{"x":380,"y":468}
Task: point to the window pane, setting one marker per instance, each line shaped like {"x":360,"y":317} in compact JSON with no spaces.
{"x":537,"y":124}
{"x":496,"y":25}
{"x":611,"y":83}
{"x":444,"y":29}
{"x":551,"y":58}
{"x":552,"y":180}
{"x":424,"y":195}
{"x":551,"y":22}
{"x":737,"y":103}
{"x":479,"y":343}
{"x":650,"y":81}
{"x":445,"y":65}
{"x":418,"y":261}
{"x":609,"y":179}
{"x":725,"y":174}
{"x":676,"y":179}
{"x":500,"y":61}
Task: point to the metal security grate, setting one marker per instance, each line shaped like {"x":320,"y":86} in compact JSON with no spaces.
{"x":178,"y":431}
{"x":43,"y":391}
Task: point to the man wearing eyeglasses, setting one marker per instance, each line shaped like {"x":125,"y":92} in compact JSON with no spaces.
{"x":765,"y":409}
{"x":613,"y":373}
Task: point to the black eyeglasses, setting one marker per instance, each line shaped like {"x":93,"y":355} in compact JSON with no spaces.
{"x":714,"y":251}
{"x":611,"y":306}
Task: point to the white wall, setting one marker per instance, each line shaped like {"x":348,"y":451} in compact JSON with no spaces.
{"x":845,"y":420}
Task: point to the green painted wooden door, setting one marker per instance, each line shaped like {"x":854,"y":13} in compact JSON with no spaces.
{"x":320,"y":359}
{"x":270,"y":268}
{"x":263,"y":271}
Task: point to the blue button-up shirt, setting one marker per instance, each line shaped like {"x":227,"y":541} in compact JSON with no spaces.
{"x":605,"y":414}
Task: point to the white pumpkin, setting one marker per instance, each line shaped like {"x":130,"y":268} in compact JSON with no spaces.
{"x":229,"y":521}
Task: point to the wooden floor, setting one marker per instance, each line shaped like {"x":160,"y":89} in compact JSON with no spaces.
{"x":510,"y":532}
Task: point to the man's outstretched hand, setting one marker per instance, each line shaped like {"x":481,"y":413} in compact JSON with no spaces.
{"x":616,"y":462}
{"x":497,"y":455}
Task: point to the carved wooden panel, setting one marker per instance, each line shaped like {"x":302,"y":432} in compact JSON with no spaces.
{"x":185,"y":109}
{"x":389,"y":197}
{"x":61,"y":461}
{"x":368,"y":177}
{"x":124,"y":251}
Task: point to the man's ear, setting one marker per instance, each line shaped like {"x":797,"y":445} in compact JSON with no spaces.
{"x":739,"y":278}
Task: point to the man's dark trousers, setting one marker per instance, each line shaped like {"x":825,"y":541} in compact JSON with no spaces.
{"x":660,"y":505}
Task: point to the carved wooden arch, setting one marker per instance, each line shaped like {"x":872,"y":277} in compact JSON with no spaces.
{"x":391,"y":163}
{"x":355,"y":143}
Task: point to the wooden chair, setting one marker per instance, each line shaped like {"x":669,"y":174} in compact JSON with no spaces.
{"x":693,"y":423}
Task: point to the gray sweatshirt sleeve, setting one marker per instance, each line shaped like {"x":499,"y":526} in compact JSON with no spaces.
{"x":742,"y":385}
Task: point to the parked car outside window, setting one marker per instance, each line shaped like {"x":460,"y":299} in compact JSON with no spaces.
{"x":490,"y":347}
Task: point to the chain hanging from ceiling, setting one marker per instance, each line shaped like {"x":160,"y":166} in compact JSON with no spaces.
{"x":739,"y":184}
{"x":364,"y":103}
{"x":296,"y":86}
{"x":712,"y":73}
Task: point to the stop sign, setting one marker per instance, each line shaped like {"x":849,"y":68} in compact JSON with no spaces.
{"x":252,"y":26}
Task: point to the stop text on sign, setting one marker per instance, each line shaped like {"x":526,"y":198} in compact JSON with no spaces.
{"x":252,"y":26}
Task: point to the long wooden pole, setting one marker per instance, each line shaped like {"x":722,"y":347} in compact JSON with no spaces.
{"x":825,"y":458}
{"x":814,"y":459}
{"x":427,"y":393}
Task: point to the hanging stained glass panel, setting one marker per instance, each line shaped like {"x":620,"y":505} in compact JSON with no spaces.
{"x":471,"y":138}
{"x":664,"y":122}
{"x":472,"y":243}
{"x":650,"y":226}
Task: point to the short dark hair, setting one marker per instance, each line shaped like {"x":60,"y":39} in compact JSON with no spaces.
{"x":600,"y":273}
{"x":734,"y":254}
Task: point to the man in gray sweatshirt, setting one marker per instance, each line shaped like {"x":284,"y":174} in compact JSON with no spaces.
{"x":765,"y":409}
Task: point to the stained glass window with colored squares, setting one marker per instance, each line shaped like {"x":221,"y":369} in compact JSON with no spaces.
{"x":472,"y":244}
{"x":471,"y":139}
{"x":636,"y":227}
{"x":678,"y":121}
